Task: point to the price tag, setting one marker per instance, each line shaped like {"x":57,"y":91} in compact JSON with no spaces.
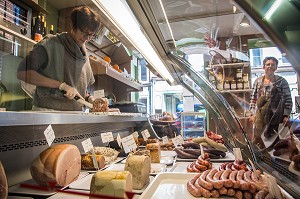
{"x":119,"y":140}
{"x":128,"y":144}
{"x":135,"y":134}
{"x":202,"y":151}
{"x":178,"y":140}
{"x":95,"y":159}
{"x":99,"y":93}
{"x":49,"y":134}
{"x":87,"y":145}
{"x":165,"y":139}
{"x":107,"y":137}
{"x":145,"y":134}
{"x":237,"y":154}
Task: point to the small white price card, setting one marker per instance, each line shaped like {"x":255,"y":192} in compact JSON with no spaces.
{"x":165,"y":139}
{"x":145,"y":133}
{"x":49,"y":134}
{"x":87,"y":145}
{"x":178,"y":140}
{"x":107,"y":137}
{"x":135,"y":134}
{"x":128,"y":144}
{"x":237,"y":154}
{"x":202,"y":151}
{"x":99,"y":93}
{"x":119,"y":140}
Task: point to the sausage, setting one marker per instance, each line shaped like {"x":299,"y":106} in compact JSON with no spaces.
{"x":247,"y":178}
{"x":281,"y":151}
{"x":214,"y":156}
{"x":204,"y":192}
{"x":247,"y":195}
{"x":202,"y":161}
{"x":203,"y":183}
{"x":225,"y":175}
{"x":261,"y":194}
{"x":191,"y":187}
{"x":223,"y":166}
{"x":230,"y":192}
{"x":195,"y":170}
{"x":215,"y":152}
{"x":223,"y":191}
{"x":200,"y":166}
{"x":243,"y":184}
{"x":238,"y":194}
{"x":226,"y":182}
{"x":184,"y":155}
{"x":232,"y":176}
{"x":281,"y":144}
{"x":210,"y":178}
{"x":228,"y":166}
{"x":193,"y":145}
{"x":215,"y":193}
{"x":190,"y":168}
{"x":195,"y":152}
{"x":269,"y":196}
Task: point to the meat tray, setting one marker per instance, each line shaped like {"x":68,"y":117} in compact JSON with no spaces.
{"x":180,"y":167}
{"x":85,"y":183}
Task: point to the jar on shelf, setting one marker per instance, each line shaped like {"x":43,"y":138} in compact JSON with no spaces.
{"x":233,"y":85}
{"x":245,"y":77}
{"x":226,"y":85}
{"x":239,"y":74}
{"x":246,"y":84}
{"x":239,"y":84}
{"x":220,"y":85}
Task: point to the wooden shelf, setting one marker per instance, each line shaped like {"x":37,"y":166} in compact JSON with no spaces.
{"x":103,"y":68}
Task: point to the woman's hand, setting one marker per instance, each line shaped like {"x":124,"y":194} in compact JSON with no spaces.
{"x":286,"y":121}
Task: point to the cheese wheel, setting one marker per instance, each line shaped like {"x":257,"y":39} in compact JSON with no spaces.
{"x":154,"y":152}
{"x":139,"y":166}
{"x":87,"y":161}
{"x":59,"y":165}
{"x":3,"y":183}
{"x":111,"y":183}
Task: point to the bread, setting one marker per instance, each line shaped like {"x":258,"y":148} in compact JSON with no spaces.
{"x":111,"y":183}
{"x":87,"y":162}
{"x":154,"y":152}
{"x":59,"y":164}
{"x":3,"y":183}
{"x":139,"y":166}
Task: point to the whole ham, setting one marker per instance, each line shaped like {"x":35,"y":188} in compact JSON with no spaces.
{"x":58,"y":165}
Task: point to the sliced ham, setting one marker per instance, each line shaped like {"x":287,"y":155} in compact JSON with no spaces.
{"x":57,"y":165}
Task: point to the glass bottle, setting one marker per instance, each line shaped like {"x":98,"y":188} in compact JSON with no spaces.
{"x":51,"y":30}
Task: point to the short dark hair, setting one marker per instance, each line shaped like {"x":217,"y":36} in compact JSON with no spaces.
{"x":84,"y":18}
{"x":270,"y":58}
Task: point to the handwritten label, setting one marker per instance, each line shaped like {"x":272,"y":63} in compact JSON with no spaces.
{"x":237,"y":154}
{"x":145,"y":134}
{"x":119,"y":140}
{"x":178,"y":140}
{"x":49,"y":134}
{"x":165,"y":139}
{"x":135,"y":134}
{"x":128,"y":144}
{"x":107,"y":137}
{"x":202,"y":151}
{"x":99,"y":93}
{"x":87,"y":145}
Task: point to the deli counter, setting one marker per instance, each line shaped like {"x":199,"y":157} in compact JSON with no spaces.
{"x":22,"y":131}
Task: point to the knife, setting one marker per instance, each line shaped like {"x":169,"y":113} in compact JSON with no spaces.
{"x":81,"y":101}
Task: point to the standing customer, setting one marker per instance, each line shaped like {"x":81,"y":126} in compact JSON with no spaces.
{"x":60,"y":63}
{"x":273,"y":101}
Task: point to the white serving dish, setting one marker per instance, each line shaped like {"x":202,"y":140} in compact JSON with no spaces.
{"x":284,"y":157}
{"x":85,"y":184}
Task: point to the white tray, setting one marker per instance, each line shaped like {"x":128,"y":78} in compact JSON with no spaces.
{"x":180,"y":167}
{"x":155,"y":168}
{"x":85,"y":184}
{"x":17,"y":189}
{"x":167,"y":160}
{"x":169,"y":185}
{"x":284,"y":157}
{"x":229,"y":157}
{"x":291,"y":169}
{"x":168,"y":153}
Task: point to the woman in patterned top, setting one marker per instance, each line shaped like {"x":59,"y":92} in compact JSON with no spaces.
{"x":271,"y":98}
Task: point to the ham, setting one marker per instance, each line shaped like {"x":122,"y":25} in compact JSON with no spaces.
{"x":57,"y":165}
{"x":3,"y":183}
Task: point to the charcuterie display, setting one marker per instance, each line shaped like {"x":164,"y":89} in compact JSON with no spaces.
{"x":200,"y":165}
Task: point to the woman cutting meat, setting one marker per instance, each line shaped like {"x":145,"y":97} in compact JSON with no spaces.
{"x":273,"y":101}
{"x":60,"y":63}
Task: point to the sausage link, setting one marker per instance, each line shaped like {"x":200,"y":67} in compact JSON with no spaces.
{"x":243,"y":184}
{"x":203,"y":162}
{"x":200,"y":166}
{"x":223,"y":191}
{"x":247,"y":178}
{"x":225,"y":176}
{"x":190,"y":168}
{"x":230,"y":192}
{"x":261,"y":194}
{"x":191,"y":187}
{"x":238,"y":194}
{"x":223,"y":166}
{"x":228,"y":166}
{"x":203,"y":183}
{"x":195,"y":170}
{"x":232,"y":176}
{"x":247,"y":195}
{"x":204,"y":192}
{"x":259,"y":184}
{"x":215,"y":193}
{"x":227,"y":183}
{"x":210,"y":178}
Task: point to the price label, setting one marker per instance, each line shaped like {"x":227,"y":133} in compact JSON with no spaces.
{"x":202,"y":151}
{"x":145,"y":134}
{"x":107,"y":137}
{"x":128,"y":143}
{"x":237,"y":154}
{"x":49,"y":134}
{"x":119,"y":140}
{"x":87,"y":145}
{"x":165,"y":139}
{"x":99,"y":93}
{"x":178,"y":140}
{"x":135,"y":134}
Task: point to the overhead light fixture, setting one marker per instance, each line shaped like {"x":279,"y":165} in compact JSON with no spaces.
{"x":272,"y":9}
{"x":245,"y":22}
{"x":119,"y":14}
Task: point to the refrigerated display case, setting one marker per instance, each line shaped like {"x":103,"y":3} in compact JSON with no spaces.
{"x":193,"y":124}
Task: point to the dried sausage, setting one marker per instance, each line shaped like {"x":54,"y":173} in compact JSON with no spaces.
{"x":230,"y":192}
{"x":200,"y":166}
{"x":238,"y":194}
{"x":203,"y":183}
{"x":204,"y":192}
{"x":243,"y":184}
{"x":203,"y":162}
{"x":191,"y":187}
{"x":232,"y":176}
{"x":210,"y":176}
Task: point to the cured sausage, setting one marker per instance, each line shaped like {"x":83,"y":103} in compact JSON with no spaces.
{"x":217,"y":177}
{"x":281,"y":151}
{"x":261,"y":194}
{"x":190,"y":168}
{"x":200,"y":166}
{"x":204,"y":192}
{"x":210,"y":178}
{"x":203,"y":183}
{"x":193,"y":145}
{"x":238,"y":194}
{"x":232,"y":176}
{"x":247,"y":195}
{"x":230,"y":192}
{"x":195,"y":152}
{"x":247,"y":178}
{"x":223,"y":191}
{"x":243,"y":184}
{"x":215,"y":193}
{"x":184,"y":155}
{"x":191,"y":187}
{"x":229,"y":165}
{"x":203,"y":162}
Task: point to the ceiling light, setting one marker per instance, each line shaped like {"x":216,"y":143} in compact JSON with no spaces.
{"x":245,"y":22}
{"x":272,"y":9}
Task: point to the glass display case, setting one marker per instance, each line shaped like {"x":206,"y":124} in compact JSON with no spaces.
{"x":193,"y":124}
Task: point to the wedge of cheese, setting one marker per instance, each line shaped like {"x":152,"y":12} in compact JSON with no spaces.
{"x":111,"y":183}
{"x":139,"y":166}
